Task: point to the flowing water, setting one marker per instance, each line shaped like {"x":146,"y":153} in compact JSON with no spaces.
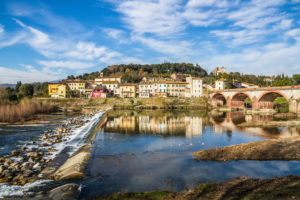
{"x":153,"y":150}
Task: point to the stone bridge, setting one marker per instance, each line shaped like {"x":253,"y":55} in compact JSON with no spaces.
{"x":262,"y":98}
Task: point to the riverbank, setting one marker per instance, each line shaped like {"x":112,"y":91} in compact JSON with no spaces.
{"x":37,"y":159}
{"x":241,"y":188}
{"x":273,"y":149}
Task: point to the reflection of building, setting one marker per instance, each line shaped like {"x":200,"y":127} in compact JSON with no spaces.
{"x":164,"y":125}
{"x":193,"y":126}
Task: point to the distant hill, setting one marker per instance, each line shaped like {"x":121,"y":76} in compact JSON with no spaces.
{"x":8,"y":85}
{"x":135,"y":72}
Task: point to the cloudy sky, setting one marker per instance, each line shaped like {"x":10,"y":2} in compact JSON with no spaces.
{"x":48,"y":40}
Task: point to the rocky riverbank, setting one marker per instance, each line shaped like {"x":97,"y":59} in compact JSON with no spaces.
{"x":241,"y":188}
{"x":28,"y":164}
{"x":274,"y":149}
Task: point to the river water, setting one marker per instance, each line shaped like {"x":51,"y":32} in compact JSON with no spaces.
{"x":153,"y":150}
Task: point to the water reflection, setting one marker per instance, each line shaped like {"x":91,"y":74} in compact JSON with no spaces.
{"x":192,"y":124}
{"x":153,"y":150}
{"x":149,"y":122}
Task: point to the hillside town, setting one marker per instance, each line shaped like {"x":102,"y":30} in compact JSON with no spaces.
{"x":177,"y":85}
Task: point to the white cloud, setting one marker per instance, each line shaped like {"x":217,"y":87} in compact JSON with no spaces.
{"x":275,"y":58}
{"x":170,"y":47}
{"x":8,"y":75}
{"x":160,"y":17}
{"x":65,"y":64}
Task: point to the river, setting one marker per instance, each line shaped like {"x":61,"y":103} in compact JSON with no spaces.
{"x":152,"y":150}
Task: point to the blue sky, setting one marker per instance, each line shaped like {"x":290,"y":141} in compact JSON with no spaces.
{"x":48,"y":40}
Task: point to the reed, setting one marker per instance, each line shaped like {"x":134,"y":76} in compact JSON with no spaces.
{"x":25,"y":110}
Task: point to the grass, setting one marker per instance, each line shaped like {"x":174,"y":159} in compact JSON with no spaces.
{"x":152,"y":195}
{"x":25,"y":110}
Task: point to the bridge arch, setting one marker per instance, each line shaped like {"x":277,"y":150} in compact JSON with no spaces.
{"x":218,"y":99}
{"x":266,"y":99}
{"x":238,"y":99}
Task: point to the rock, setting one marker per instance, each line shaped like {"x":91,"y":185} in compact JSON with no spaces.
{"x":2,"y":168}
{"x":27,"y":173}
{"x":15,"y":153}
{"x":32,"y":154}
{"x":65,"y":192}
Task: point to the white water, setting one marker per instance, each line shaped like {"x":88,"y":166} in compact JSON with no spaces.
{"x":77,"y":139}
{"x":18,"y":190}
{"x":74,"y":142}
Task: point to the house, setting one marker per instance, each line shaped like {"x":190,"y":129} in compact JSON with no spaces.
{"x":176,"y":88}
{"x":208,"y":87}
{"x":127,"y":90}
{"x":249,"y":85}
{"x":195,"y":87}
{"x":102,"y":79}
{"x":76,"y":85}
{"x":87,"y":92}
{"x":145,"y":89}
{"x":100,"y":93}
{"x":220,"y":84}
{"x":57,"y":90}
{"x":111,"y":85}
{"x":177,"y":77}
{"x":159,"y":89}
{"x":219,"y":70}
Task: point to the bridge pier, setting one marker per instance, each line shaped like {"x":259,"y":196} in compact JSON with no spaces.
{"x":294,"y":106}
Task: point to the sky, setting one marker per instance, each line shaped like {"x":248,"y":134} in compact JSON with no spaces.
{"x":46,"y":40}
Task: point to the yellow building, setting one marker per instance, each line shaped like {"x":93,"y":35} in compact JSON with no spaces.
{"x":127,"y":90}
{"x":76,"y":85}
{"x":57,"y":90}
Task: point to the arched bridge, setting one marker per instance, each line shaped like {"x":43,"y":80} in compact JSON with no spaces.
{"x":262,"y":98}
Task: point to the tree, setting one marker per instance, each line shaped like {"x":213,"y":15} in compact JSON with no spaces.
{"x":296,"y":78}
{"x":26,"y":90}
{"x":19,"y":83}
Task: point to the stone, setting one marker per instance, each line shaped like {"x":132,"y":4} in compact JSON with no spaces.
{"x":15,"y":152}
{"x":32,"y":154}
{"x":65,"y":192}
{"x":2,"y":168}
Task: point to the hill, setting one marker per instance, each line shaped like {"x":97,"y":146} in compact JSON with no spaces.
{"x":135,"y":72}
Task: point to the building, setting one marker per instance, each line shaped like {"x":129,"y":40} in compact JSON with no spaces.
{"x":87,"y":92}
{"x":208,"y":87}
{"x":100,"y":93}
{"x":111,"y":85}
{"x":145,"y":89}
{"x":155,"y":79}
{"x":76,"y":85}
{"x":249,"y":85}
{"x":57,"y":90}
{"x":238,"y":84}
{"x":159,"y":89}
{"x":177,"y":77}
{"x":194,"y":87}
{"x":176,"y":88}
{"x":219,"y":70}
{"x":102,"y":79}
{"x":220,"y":84}
{"x":127,"y":90}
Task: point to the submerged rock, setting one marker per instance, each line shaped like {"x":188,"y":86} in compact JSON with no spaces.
{"x":65,"y":192}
